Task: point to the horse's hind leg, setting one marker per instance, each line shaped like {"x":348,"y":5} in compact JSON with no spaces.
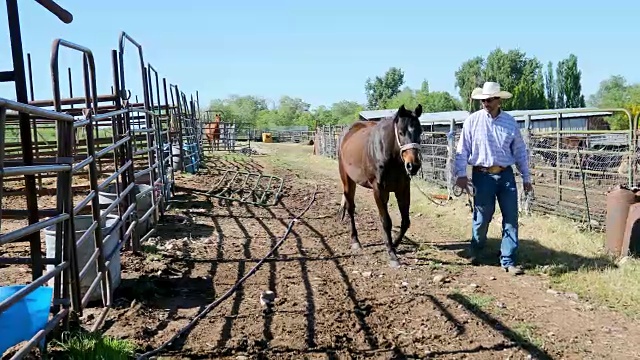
{"x":349,"y":196}
{"x":404,"y":200}
{"x":348,"y":204}
{"x":382,"y":200}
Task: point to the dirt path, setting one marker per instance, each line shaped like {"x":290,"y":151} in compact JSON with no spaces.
{"x":332,"y":303}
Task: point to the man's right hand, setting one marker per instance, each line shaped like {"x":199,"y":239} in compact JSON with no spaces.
{"x":462,"y":182}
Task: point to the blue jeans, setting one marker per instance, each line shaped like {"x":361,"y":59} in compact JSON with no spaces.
{"x":489,"y":187}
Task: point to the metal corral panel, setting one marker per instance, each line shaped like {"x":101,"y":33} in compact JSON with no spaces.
{"x":289,"y":128}
{"x":609,"y":140}
{"x":550,"y":124}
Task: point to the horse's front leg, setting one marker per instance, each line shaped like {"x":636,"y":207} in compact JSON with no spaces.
{"x":382,"y":199}
{"x":404,"y":200}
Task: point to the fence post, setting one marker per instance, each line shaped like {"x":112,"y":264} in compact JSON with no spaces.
{"x":451,"y":158}
{"x":323,"y":140}
{"x":523,"y":199}
{"x":633,"y":142}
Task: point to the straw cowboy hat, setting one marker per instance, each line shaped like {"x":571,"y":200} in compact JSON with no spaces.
{"x":490,"y":90}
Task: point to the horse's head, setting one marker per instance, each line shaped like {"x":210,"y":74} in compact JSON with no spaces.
{"x":407,"y":129}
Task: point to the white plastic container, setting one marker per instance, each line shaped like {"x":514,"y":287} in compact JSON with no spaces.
{"x":84,"y":252}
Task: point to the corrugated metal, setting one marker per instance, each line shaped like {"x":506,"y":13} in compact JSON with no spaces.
{"x":426,"y":118}
{"x":609,"y":139}
{"x":289,"y":128}
{"x":376,"y":114}
{"x":445,"y":117}
{"x":552,"y":114}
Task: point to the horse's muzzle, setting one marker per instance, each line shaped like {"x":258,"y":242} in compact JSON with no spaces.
{"x":412,"y":168}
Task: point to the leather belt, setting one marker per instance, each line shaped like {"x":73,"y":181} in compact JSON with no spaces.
{"x":495,"y":169}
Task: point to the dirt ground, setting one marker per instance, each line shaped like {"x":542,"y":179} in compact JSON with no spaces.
{"x":331,"y":302}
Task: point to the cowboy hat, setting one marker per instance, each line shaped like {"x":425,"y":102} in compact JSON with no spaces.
{"x":489,"y":90}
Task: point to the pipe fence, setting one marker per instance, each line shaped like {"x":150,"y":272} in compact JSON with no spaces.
{"x":83,"y":176}
{"x":572,"y":170}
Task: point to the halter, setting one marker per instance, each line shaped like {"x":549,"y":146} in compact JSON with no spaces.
{"x":404,"y":147}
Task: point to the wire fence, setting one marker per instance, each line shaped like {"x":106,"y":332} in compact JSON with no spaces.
{"x":572,"y":171}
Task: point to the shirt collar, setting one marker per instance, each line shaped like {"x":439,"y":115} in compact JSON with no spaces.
{"x":489,"y":115}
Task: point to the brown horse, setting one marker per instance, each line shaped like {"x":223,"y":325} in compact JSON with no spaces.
{"x":212,"y":132}
{"x":381,"y":156}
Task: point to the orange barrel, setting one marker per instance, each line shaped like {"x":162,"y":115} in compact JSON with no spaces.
{"x":631,"y":240}
{"x":618,"y":204}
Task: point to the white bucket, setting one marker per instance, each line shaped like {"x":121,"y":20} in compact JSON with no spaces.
{"x":143,"y":204}
{"x":84,"y":252}
{"x":176,"y":160}
{"x":108,"y":197}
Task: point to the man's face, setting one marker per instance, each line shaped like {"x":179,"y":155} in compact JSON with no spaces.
{"x":491,"y":104}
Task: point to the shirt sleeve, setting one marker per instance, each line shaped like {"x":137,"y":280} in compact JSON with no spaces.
{"x":463,"y":149}
{"x":522,"y":158}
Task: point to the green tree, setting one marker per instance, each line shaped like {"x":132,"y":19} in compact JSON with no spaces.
{"x":436,"y":101}
{"x":469,"y":76}
{"x":569,"y":88}
{"x":346,"y":112}
{"x":517,"y":73}
{"x":324,"y":116}
{"x":550,"y":86}
{"x":266,"y":119}
{"x":381,"y":89}
{"x":407,"y":97}
{"x":291,"y":111}
{"x":239,"y":109}
{"x":615,"y":92}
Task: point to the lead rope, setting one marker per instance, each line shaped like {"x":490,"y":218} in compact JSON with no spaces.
{"x":470,"y":190}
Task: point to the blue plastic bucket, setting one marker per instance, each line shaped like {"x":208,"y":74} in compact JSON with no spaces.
{"x":191,"y":152}
{"x":26,"y":317}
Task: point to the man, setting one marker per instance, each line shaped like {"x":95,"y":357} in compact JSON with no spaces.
{"x":491,"y":142}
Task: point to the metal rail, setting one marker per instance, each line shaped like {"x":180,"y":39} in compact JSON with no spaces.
{"x":251,"y":189}
{"x":68,"y":158}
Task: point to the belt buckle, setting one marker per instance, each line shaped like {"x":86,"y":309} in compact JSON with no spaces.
{"x":495,"y":169}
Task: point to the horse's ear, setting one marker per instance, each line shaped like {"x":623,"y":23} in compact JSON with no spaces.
{"x":401,"y":113}
{"x":418,"y":110}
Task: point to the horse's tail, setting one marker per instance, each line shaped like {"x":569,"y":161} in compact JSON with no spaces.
{"x":341,"y":136}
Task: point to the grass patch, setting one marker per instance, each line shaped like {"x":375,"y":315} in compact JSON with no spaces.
{"x":477,"y":301}
{"x":92,"y":346}
{"x":300,"y":158}
{"x":152,"y":252}
{"x":527,"y":331}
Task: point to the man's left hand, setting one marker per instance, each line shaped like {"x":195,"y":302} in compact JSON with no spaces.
{"x":527,"y":187}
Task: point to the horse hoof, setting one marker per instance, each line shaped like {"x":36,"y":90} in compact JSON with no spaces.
{"x":356,"y":246}
{"x":394,"y":264}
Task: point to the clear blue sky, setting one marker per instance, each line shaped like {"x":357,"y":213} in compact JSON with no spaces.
{"x":323,"y":51}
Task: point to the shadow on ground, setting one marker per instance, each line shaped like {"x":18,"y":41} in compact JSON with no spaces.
{"x":531,"y":254}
